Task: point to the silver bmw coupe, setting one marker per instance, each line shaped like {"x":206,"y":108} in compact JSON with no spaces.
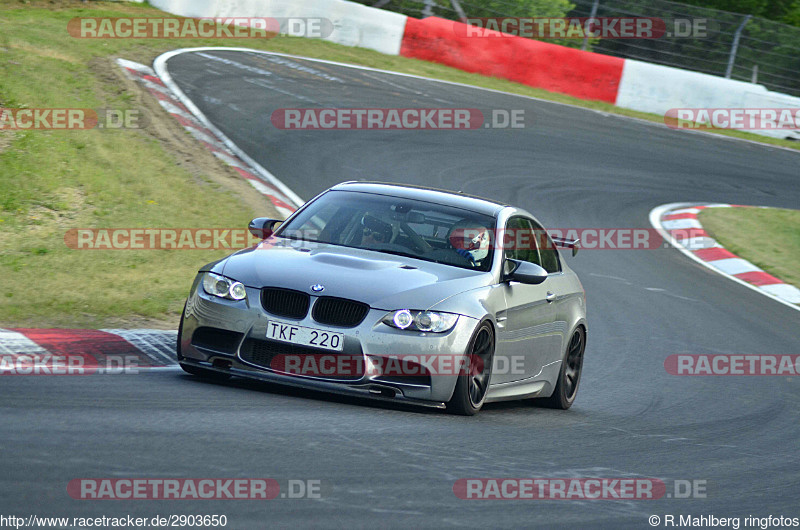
{"x":396,"y":293}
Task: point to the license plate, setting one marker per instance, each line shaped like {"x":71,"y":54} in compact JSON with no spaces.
{"x":302,"y":336}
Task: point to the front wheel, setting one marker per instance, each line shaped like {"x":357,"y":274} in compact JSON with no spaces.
{"x":471,"y":388}
{"x":570,"y":375}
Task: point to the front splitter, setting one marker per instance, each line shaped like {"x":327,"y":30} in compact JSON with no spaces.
{"x":371,"y":391}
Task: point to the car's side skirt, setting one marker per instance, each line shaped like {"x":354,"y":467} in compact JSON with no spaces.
{"x":540,"y":385}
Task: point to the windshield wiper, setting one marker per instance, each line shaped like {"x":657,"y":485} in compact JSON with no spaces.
{"x":298,"y":238}
{"x":396,"y":253}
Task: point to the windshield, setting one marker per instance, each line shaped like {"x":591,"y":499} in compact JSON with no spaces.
{"x":397,"y":226}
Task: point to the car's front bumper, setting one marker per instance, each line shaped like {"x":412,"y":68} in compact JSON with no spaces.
{"x":215,"y":331}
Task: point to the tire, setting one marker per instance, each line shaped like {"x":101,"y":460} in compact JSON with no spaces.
{"x":569,"y":377}
{"x":180,"y":334}
{"x":196,"y":370}
{"x":471,"y":388}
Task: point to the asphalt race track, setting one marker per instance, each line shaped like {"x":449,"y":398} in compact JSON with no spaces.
{"x":387,"y":465}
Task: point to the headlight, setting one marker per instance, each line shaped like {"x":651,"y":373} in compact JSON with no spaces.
{"x":412,"y":320}
{"x":223,"y":287}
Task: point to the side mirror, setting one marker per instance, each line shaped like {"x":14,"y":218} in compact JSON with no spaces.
{"x":526,"y":272}
{"x":262,"y":226}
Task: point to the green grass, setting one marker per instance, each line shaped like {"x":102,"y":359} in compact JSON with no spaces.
{"x":766,"y":237}
{"x":51,"y":181}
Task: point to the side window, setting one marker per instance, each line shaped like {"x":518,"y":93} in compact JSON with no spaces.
{"x":547,"y":249}
{"x":519,"y":241}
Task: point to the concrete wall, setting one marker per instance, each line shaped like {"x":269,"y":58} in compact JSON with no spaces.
{"x":353,"y":24}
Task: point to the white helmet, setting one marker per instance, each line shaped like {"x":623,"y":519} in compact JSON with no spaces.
{"x":471,"y":240}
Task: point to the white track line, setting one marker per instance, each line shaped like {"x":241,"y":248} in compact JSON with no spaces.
{"x":160,"y":67}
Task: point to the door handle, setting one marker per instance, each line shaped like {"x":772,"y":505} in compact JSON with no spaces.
{"x":551,"y":297}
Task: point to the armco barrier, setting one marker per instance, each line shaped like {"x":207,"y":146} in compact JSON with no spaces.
{"x":655,"y":88}
{"x":539,"y":64}
{"x":354,"y":24}
{"x":767,"y":100}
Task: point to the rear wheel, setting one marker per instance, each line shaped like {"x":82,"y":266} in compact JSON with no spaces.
{"x":196,"y":370}
{"x":570,"y":375}
{"x":471,"y":388}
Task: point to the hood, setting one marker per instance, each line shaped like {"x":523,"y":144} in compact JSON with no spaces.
{"x":381,"y":280}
